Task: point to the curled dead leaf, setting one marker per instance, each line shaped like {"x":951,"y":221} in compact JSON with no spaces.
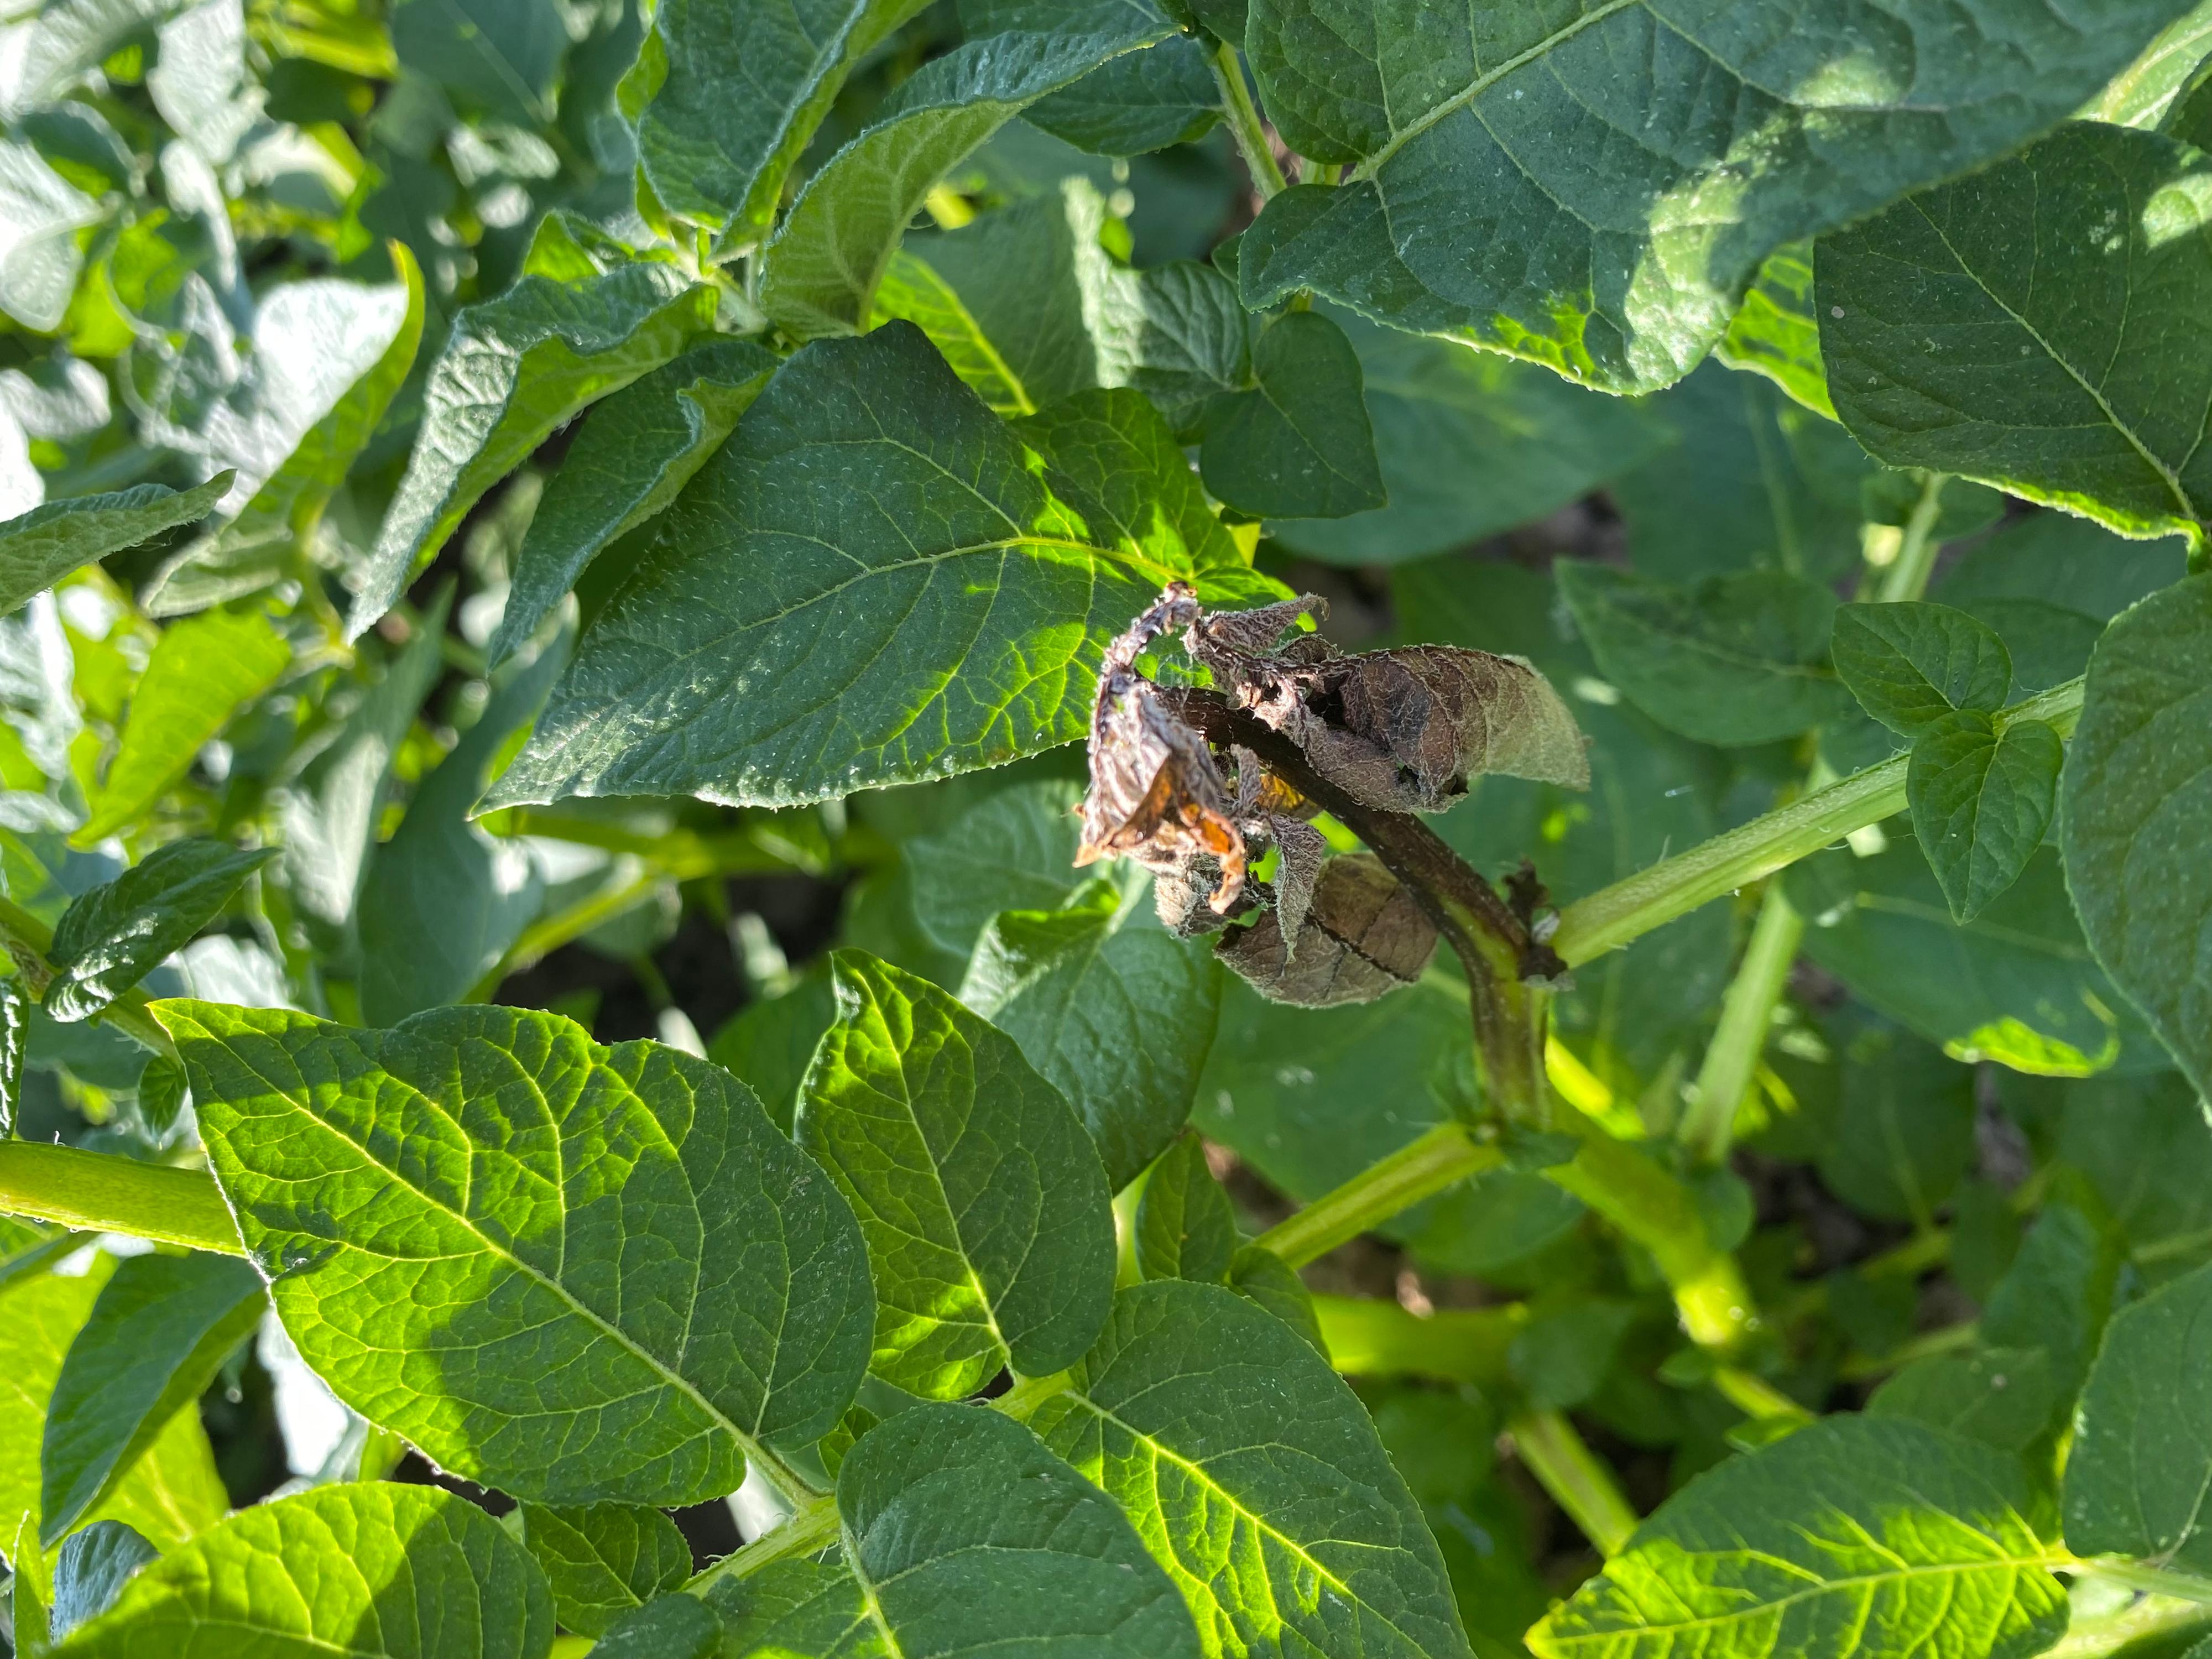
{"x":1361,"y":937}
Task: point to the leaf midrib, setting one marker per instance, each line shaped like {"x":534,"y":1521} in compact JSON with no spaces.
{"x":751,"y":1447}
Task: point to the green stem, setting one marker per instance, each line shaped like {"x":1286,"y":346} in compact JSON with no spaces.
{"x":1731,"y":1060}
{"x":1612,"y":916}
{"x":31,"y":942}
{"x":2135,"y":1575}
{"x":813,"y":1526}
{"x":1244,"y":123}
{"x":541,"y":938}
{"x":1549,"y":1448}
{"x":1907,"y":576}
{"x":1754,"y":1396}
{"x":103,"y":1191}
{"x":1422,"y":1168}
{"x":2152,"y":1616}
{"x":1370,"y":1337}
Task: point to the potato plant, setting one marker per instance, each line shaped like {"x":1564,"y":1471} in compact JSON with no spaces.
{"x":1105,"y":828}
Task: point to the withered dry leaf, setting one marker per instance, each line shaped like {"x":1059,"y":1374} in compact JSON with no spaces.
{"x":1362,"y":936}
{"x":1402,"y":729}
{"x":1156,"y":795}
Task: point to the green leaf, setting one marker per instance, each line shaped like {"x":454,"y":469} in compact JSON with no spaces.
{"x":1903,"y":1133}
{"x":2062,"y":560}
{"x":1495,"y":194}
{"x":1470,"y":443}
{"x":673,"y":1626}
{"x":1115,"y":1011}
{"x":2057,"y":1295}
{"x":328,"y":812}
{"x":2140,"y":93}
{"x":2003,"y":1397}
{"x":515,"y":369}
{"x":1298,"y":444}
{"x":1734,"y":660}
{"x":161,"y":1329}
{"x":770,"y":1043}
{"x":1981,"y":802}
{"x":2144,"y":1147}
{"x":603,"y":1559}
{"x":1856,"y":1535}
{"x":2039,"y":327}
{"x":91,"y":1571}
{"x":638,"y":448}
{"x":290,"y":502}
{"x":2016,"y":985}
{"x":1776,"y":332}
{"x":169,"y":1493}
{"x":989,"y":1221}
{"x":426,"y":1576}
{"x":1191,"y":341}
{"x":2135,"y":788}
{"x":1144,"y":100}
{"x":43,"y":215}
{"x":1186,"y":1228}
{"x":45,"y":544}
{"x":1024,"y":303}
{"x":571,"y":1272}
{"x":443,"y":901}
{"x":1911,"y":665}
{"x":1256,"y":1478}
{"x":722,"y":158}
{"x":204,"y":670}
{"x":1015,"y":850}
{"x":2137,"y":1474}
{"x":870,"y":500}
{"x":962,"y":1535}
{"x":830,"y":252}
{"x":1755,"y":480}
{"x":1114,"y":460}
{"x":114,"y":935}
{"x":502,"y":58}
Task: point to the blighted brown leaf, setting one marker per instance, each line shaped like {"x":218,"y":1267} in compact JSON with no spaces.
{"x":1156,"y":795}
{"x":1401,"y":729}
{"x":1363,"y":935}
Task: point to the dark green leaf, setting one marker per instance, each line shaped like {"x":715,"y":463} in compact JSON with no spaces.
{"x":2062,"y":560}
{"x":426,"y":1576}
{"x":2142,"y":1458}
{"x":499,"y":57}
{"x":870,"y":499}
{"x":1193,"y":340}
{"x":1186,"y":1228}
{"x":2048,"y":646}
{"x":1298,"y":444}
{"x":1857,"y":1535}
{"x":1258,"y":1477}
{"x":674,"y":1627}
{"x":636,"y":451}
{"x":962,"y":1536}
{"x":93,"y":1567}
{"x":2147,"y":1151}
{"x":603,"y":1559}
{"x":2057,"y":1295}
{"x":162,"y":1327}
{"x":45,"y":544}
{"x":1903,"y":1133}
{"x":2016,"y":985}
{"x":1775,"y":332}
{"x":1145,"y":100}
{"x":1981,"y":802}
{"x":2040,"y":325}
{"x":771,"y":1042}
{"x":1259,"y":1275}
{"x":1496,"y":190}
{"x":2138,"y":786}
{"x":1911,"y":665}
{"x":1024,"y":303}
{"x":202,"y":670}
{"x":830,"y":252}
{"x":987,"y":1219}
{"x":1470,"y":443}
{"x":1110,"y":1006}
{"x":721,"y":157}
{"x":515,"y":369}
{"x":1561,"y":1356}
{"x":1755,"y":480}
{"x":112,"y":937}
{"x":1735,"y":660}
{"x":2004,"y":1397}
{"x":443,"y":901}
{"x":587,"y":1273}
{"x":1013,"y":851}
